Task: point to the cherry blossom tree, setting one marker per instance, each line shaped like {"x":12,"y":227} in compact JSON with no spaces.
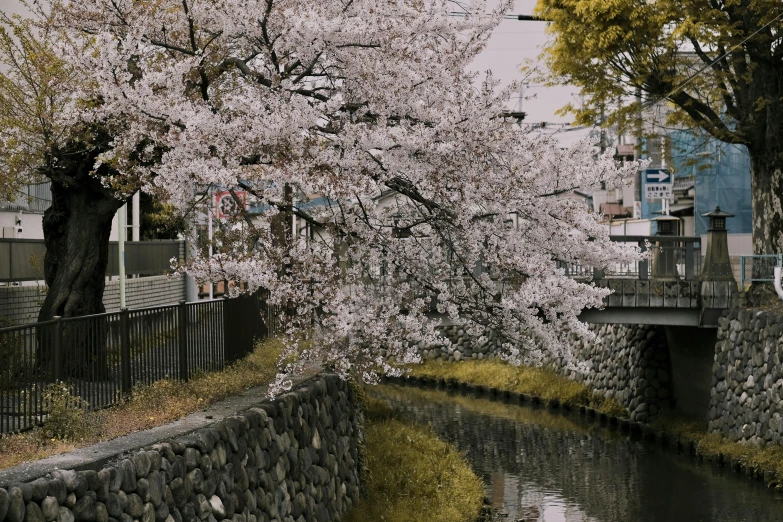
{"x":433,"y":204}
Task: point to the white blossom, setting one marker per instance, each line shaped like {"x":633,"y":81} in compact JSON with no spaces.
{"x":371,"y":106}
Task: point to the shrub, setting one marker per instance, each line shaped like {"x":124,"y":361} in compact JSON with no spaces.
{"x":65,"y":413}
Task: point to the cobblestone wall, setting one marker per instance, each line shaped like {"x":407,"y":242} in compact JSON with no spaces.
{"x":20,"y":304}
{"x":747,"y":378}
{"x":293,"y":459}
{"x":627,"y":363}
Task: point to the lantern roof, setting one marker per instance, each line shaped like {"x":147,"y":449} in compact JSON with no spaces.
{"x":717,"y":213}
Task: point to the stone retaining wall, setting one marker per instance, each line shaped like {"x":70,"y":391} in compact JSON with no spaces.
{"x":627,"y":363}
{"x":747,"y":378}
{"x":291,"y":459}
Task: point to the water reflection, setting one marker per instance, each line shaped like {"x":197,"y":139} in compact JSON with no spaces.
{"x":546,"y":467}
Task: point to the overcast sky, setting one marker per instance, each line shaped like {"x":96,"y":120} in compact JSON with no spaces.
{"x":512,"y":43}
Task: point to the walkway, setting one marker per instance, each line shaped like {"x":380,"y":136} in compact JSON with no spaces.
{"x":95,"y":457}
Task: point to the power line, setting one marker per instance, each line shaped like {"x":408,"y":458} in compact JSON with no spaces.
{"x":518,"y":17}
{"x":688,"y":80}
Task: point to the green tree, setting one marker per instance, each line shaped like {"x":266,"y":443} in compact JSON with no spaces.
{"x":36,"y":143}
{"x":718,"y":63}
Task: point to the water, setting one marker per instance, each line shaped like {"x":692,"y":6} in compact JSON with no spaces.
{"x":543,"y":466}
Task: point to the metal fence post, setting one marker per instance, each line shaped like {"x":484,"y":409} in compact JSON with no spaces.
{"x":57,"y":349}
{"x":689,"y":260}
{"x":742,"y":273}
{"x":183,"y":342}
{"x":126,"y":382}
{"x":644,"y":264}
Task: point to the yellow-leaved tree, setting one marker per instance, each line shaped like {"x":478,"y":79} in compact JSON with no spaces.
{"x":719,"y":63}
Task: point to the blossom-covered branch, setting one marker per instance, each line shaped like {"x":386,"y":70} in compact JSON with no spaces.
{"x":430,"y":204}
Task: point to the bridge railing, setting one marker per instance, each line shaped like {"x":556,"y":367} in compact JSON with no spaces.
{"x":667,"y":257}
{"x":760,"y":267}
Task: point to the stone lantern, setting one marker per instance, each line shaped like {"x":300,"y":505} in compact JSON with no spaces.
{"x":717,"y":265}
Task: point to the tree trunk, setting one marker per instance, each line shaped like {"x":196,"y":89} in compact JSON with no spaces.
{"x":767,"y":194}
{"x":767,"y":228}
{"x":76,"y":234}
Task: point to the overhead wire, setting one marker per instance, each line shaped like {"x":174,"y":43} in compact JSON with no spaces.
{"x":684,"y":83}
{"x":692,"y":77}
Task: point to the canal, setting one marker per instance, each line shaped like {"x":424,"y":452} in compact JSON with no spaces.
{"x":544,"y":466}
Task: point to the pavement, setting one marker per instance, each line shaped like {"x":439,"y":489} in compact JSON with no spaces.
{"x":97,"y":456}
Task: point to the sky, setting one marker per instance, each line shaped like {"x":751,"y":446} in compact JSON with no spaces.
{"x":511,"y":45}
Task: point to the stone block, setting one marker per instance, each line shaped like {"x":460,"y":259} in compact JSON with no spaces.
{"x":683,"y":294}
{"x":616,"y":297}
{"x":629,"y":293}
{"x":656,"y":294}
{"x":706,"y":294}
{"x":642,"y":293}
{"x":695,"y":294}
{"x":671,"y":291}
{"x":721,"y":293}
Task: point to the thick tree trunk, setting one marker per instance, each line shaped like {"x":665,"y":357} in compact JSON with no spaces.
{"x":767,"y":228}
{"x":76,"y":233}
{"x":767,"y":194}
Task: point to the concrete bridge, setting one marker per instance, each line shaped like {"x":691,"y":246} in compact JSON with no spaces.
{"x":671,"y":287}
{"x":676,"y":290}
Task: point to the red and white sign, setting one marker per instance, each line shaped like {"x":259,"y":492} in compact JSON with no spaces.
{"x":226,"y":205}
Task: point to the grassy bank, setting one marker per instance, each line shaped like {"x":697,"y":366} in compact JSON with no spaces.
{"x":533,"y":381}
{"x":413,"y":476}
{"x":767,"y":461}
{"x":69,"y":427}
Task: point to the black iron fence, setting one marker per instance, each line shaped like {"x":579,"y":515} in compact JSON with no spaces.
{"x":103,"y":356}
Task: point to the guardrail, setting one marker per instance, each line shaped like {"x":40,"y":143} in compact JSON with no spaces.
{"x":102,"y":357}
{"x":670,"y":257}
{"x":758,"y":268}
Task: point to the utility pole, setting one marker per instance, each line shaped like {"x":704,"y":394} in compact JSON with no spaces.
{"x":664,"y":201}
{"x":637,"y":147}
{"x":136,"y":215}
{"x":122,"y":232}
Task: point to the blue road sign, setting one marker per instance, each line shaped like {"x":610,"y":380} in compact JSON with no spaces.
{"x":657,"y":176}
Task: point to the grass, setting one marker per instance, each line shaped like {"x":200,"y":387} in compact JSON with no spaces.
{"x":412,"y":475}
{"x":768,"y":459}
{"x":148,"y":406}
{"x":548,"y":385}
{"x":536,"y":416}
{"x":533,"y":381}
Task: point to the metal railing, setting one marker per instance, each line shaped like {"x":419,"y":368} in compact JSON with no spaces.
{"x":758,"y":268}
{"x":23,"y":259}
{"x":669,"y":257}
{"x":102,"y":357}
{"x":36,"y":197}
